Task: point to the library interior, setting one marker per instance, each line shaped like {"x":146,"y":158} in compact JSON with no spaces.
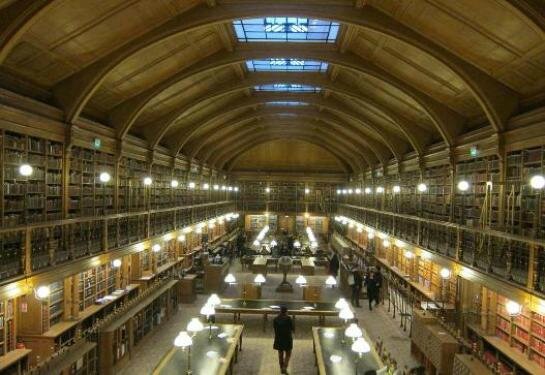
{"x":272,"y":187}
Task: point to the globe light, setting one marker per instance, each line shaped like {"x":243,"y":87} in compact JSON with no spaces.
{"x":259,"y":279}
{"x":422,"y":187}
{"x":116,"y":263}
{"x":360,"y":346}
{"x":191,"y":185}
{"x":537,"y":182}
{"x":297,"y":244}
{"x":25,"y":170}
{"x":358,"y":191}
{"x":236,"y":188}
{"x":230,"y":278}
{"x":341,"y":304}
{"x":194,"y":326}
{"x":445,"y":273}
{"x":307,"y":190}
{"x":273,"y":243}
{"x":380,"y":189}
{"x":346,"y":314}
{"x":208,"y":310}
{"x":156,"y":248}
{"x":330,"y":281}
{"x":396,"y":189}
{"x":205,"y":186}
{"x":267,"y":190}
{"x":104,"y":177}
{"x":386,"y":243}
{"x":350,"y":191}
{"x":183,"y":340}
{"x":338,"y":191}
{"x":400,"y":243}
{"x":368,"y":190}
{"x":463,"y":185}
{"x":229,"y":188}
{"x":147,"y":181}
{"x":513,"y":308}
{"x":353,"y":331}
{"x":360,"y":229}
{"x":370,"y":235}
{"x":174,"y":183}
{"x":300,"y":280}
{"x":408,"y":255}
{"x":213,"y":300}
{"x":181,"y":238}
{"x":216,"y":187}
{"x":42,"y":292}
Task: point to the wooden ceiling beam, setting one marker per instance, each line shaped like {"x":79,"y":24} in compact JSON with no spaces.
{"x":187,"y":132}
{"x":16,"y":19}
{"x":418,"y":138}
{"x":371,"y":149}
{"x":447,"y":121}
{"x":497,"y":100}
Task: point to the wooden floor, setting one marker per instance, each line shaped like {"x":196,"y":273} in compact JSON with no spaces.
{"x":257,"y":356}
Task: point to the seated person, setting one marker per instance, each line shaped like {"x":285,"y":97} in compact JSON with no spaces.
{"x":218,"y":259}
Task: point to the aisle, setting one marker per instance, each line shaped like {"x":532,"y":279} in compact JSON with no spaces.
{"x":257,"y":356}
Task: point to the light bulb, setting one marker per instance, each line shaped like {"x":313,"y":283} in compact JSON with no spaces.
{"x":513,"y":308}
{"x":350,"y":191}
{"x":216,"y":187}
{"x":358,"y":191}
{"x":43,"y":292}
{"x":463,"y":185}
{"x":307,"y":190}
{"x":537,"y":182}
{"x":205,"y":186}
{"x":422,"y":187}
{"x":396,"y":189}
{"x":380,"y":189}
{"x":147,"y":181}
{"x":267,"y":190}
{"x":104,"y":177}
{"x":25,"y":170}
{"x":236,"y":188}
{"x":445,"y":273}
{"x":174,"y":183}
{"x":156,"y":248}
{"x":338,"y":191}
{"x":191,"y":185}
{"x":116,"y":263}
{"x":368,"y":190}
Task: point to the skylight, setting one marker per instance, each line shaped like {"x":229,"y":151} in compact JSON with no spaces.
{"x":286,"y":29}
{"x":283,"y":65}
{"x":291,"y":103}
{"x":287,"y":87}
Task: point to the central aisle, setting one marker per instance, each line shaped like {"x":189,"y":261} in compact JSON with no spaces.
{"x":258,"y":356}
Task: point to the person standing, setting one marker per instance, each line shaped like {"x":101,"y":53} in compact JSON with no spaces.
{"x":283,"y":339}
{"x":380,"y":289}
{"x":372,"y":289}
{"x":334,"y":265}
{"x":356,"y":287}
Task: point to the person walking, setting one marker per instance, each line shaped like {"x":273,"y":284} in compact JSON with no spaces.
{"x":356,"y":287}
{"x":372,"y":289}
{"x":380,"y":289}
{"x":283,"y":339}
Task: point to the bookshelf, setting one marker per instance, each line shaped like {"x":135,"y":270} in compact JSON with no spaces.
{"x":95,"y":283}
{"x":37,"y":197}
{"x":7,"y":327}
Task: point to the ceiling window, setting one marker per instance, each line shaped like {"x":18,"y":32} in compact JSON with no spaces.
{"x":291,"y":103}
{"x":287,"y":87}
{"x":286,"y":29}
{"x":286,"y":65}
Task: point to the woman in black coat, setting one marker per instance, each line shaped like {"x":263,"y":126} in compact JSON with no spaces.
{"x":334,"y":265}
{"x":283,"y":339}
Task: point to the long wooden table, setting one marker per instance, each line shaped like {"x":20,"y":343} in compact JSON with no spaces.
{"x":268,"y":307}
{"x":216,"y":356}
{"x":327,"y":342}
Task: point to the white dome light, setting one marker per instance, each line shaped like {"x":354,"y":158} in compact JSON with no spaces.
{"x":205,"y":186}
{"x":341,"y":304}
{"x":267,"y":190}
{"x":183,"y":340}
{"x":307,"y":190}
{"x":147,"y":181}
{"x":116,"y":263}
{"x":300,"y":280}
{"x":463,"y":185}
{"x":396,"y":189}
{"x":513,"y":308}
{"x":43,"y":292}
{"x":216,"y":187}
{"x":194,"y":326}
{"x":368,"y":190}
{"x":330,"y":281}
{"x":174,"y":183}
{"x":386,"y":243}
{"x":104,"y":177}
{"x":259,"y":279}
{"x":346,"y":314}
{"x":353,"y":331}
{"x":230,"y":279}
{"x":537,"y":182}
{"x":445,"y":273}
{"x":422,"y":187}
{"x":25,"y":170}
{"x":191,"y":185}
{"x":181,"y":238}
{"x":214,"y":300}
{"x":361,"y":346}
{"x":380,"y":189}
{"x":156,"y":248}
{"x":358,"y":191}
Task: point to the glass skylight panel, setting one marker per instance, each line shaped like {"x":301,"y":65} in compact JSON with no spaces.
{"x":286,"y":65}
{"x":287,"y":87}
{"x":286,"y":29}
{"x":286,"y":103}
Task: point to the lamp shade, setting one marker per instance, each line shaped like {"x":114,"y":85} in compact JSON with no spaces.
{"x":273,"y":243}
{"x":361,"y":346}
{"x":194,"y":326}
{"x":353,"y":331}
{"x":208,"y":310}
{"x":300,"y":280}
{"x":259,"y":279}
{"x":341,"y":304}
{"x":330,"y":281}
{"x":214,"y":300}
{"x":346,"y":314}
{"x":230,"y":278}
{"x":183,"y":340}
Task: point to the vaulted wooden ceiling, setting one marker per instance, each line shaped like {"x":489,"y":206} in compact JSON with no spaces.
{"x":403,"y":74}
